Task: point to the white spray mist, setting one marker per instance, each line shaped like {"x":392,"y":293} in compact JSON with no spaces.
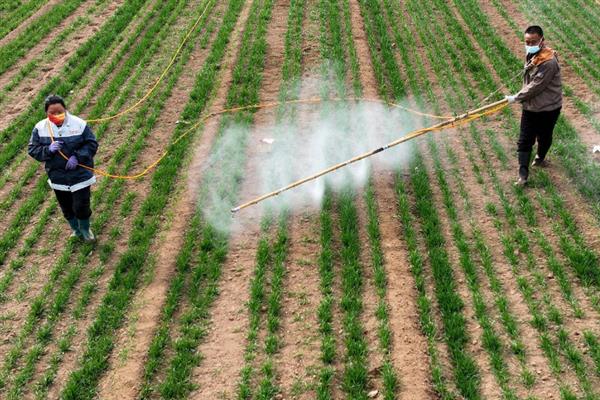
{"x":322,"y":135}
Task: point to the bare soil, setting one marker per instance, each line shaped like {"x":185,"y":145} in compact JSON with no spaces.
{"x":51,"y":69}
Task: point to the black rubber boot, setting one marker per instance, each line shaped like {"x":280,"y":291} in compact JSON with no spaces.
{"x":539,"y":162}
{"x":524,"y":157}
{"x":75,"y":228}
{"x":84,"y":227}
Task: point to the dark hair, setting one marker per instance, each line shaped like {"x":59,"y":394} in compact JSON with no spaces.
{"x":53,"y":99}
{"x":535,"y":29}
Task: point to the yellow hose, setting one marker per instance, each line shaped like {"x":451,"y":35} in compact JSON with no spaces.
{"x":237,"y":109}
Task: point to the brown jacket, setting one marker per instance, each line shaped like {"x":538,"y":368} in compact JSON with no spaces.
{"x":542,"y":87}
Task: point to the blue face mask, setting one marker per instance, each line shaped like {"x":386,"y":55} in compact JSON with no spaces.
{"x":533,"y":49}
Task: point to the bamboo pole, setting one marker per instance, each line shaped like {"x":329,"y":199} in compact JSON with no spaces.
{"x":458,"y":120}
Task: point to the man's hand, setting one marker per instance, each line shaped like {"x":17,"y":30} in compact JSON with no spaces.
{"x":55,"y":146}
{"x":511,"y":99}
{"x":71,"y":163}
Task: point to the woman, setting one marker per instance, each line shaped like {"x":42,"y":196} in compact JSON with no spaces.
{"x":64,"y":133}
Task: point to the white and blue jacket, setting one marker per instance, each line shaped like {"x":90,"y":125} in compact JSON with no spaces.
{"x":77,"y":139}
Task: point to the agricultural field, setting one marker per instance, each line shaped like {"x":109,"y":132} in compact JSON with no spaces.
{"x":421,"y":272}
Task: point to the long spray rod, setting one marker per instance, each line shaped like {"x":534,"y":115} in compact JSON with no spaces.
{"x":458,"y":120}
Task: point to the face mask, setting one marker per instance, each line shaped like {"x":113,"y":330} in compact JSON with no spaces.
{"x":533,"y":49}
{"x":57,"y":119}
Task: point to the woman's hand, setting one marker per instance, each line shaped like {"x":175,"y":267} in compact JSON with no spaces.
{"x":71,"y":163}
{"x":55,"y":146}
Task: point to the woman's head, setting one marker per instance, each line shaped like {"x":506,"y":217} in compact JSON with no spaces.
{"x":55,"y":108}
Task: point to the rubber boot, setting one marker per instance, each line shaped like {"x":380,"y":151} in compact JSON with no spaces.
{"x":75,"y":228}
{"x":524,"y":157}
{"x":84,"y":227}
{"x":539,"y":162}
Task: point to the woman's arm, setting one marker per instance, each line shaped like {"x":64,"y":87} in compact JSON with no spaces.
{"x":40,"y":152}
{"x":85,"y":154}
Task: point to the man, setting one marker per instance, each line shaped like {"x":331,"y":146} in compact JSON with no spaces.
{"x":541,"y":98}
{"x":65,"y":134}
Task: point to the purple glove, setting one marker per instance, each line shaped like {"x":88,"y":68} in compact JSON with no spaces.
{"x":71,"y":163}
{"x":55,"y":146}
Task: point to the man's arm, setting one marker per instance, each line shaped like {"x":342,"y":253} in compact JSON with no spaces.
{"x":541,"y":80}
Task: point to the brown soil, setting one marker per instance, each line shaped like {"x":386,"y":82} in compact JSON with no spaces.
{"x":24,"y":278}
{"x":46,"y":69}
{"x":16,"y":171}
{"x":298,"y":359}
{"x":586,"y":131}
{"x":27,"y":22}
{"x":548,"y":387}
{"x":71,"y":358}
{"x":409,"y":353}
{"x":128,"y":359}
{"x":369,"y":85}
{"x":581,"y":213}
{"x":489,"y":387}
{"x":224,"y":347}
{"x":299,"y":354}
{"x":93,"y":74}
{"x":29,"y":91}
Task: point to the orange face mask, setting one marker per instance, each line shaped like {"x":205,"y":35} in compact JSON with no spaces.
{"x":57,"y":119}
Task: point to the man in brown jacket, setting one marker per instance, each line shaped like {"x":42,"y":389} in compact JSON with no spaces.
{"x":541,"y":98}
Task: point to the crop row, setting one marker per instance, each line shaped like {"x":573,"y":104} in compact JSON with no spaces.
{"x":14,"y":50}
{"x":566,"y":152}
{"x":266,"y":256}
{"x":567,"y":146}
{"x":267,"y":285}
{"x":49,"y":53}
{"x":452,"y":58}
{"x":252,"y":55}
{"x":581,"y":54}
{"x":450,"y":304}
{"x":103,"y":216}
{"x":18,"y":14}
{"x":355,"y":378}
{"x":93,"y":91}
{"x":25,"y":211}
{"x":521,"y":238}
{"x":491,"y":340}
{"x":146,"y":224}
{"x":375,"y":20}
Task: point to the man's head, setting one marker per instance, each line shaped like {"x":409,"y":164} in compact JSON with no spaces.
{"x":534,"y":39}
{"x":55,"y":108}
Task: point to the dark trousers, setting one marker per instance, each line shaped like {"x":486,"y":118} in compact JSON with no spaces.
{"x":75,"y":204}
{"x":535,"y":126}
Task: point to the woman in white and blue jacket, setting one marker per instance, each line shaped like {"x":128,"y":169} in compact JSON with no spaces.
{"x":70,"y":181}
